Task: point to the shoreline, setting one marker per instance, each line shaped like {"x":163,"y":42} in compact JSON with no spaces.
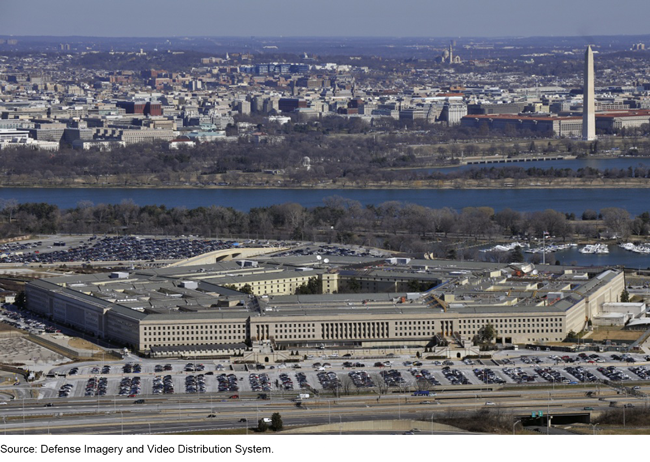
{"x":470,"y":186}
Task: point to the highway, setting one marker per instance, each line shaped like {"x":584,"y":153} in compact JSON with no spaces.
{"x":171,"y":414}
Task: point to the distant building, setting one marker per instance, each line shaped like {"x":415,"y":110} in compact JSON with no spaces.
{"x":453,"y":112}
{"x":14,"y":136}
{"x":141,"y":107}
{"x":447,"y":56}
{"x":559,"y":126}
{"x":291,"y":104}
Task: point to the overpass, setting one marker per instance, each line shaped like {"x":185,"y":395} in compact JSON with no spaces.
{"x":227,"y":255}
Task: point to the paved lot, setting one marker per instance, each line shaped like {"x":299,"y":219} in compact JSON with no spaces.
{"x":19,"y":350}
{"x":284,"y":380}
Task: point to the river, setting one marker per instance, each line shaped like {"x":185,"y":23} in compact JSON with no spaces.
{"x":634,"y":200}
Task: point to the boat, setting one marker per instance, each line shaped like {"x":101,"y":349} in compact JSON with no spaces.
{"x":594,"y":248}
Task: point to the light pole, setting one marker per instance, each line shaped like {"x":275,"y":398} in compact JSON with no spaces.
{"x":432,"y":423}
{"x":329,"y":403}
{"x":624,"y":406}
{"x":593,"y":426}
{"x":122,"y":420}
{"x":514,"y":425}
{"x":4,"y":424}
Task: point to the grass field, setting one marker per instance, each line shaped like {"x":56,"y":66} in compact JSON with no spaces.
{"x":615,"y":333}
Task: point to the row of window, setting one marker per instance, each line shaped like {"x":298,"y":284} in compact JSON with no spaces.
{"x":516,"y":331}
{"x":206,"y":338}
{"x":495,"y":321}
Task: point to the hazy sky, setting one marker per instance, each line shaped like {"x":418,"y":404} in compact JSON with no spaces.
{"x":424,"y":18}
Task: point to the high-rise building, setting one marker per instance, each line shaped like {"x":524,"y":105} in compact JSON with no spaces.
{"x":589,"y":105}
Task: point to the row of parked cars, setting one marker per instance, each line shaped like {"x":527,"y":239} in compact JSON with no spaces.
{"x":641,"y":371}
{"x":163,"y":385}
{"x":96,"y":387}
{"x":329,"y":380}
{"x":428,"y":376}
{"x":259,"y":382}
{"x":624,"y":357}
{"x":287,"y":383}
{"x":455,"y":376}
{"x":65,"y":390}
{"x":191,"y":367}
{"x":227,"y":382}
{"x":613,"y":374}
{"x":132,"y":368}
{"x":361,"y":379}
{"x":130,"y":386}
{"x":195,"y":384}
{"x":582,"y":374}
{"x":488,"y":376}
{"x":104,"y":370}
{"x":518,"y":375}
{"x":551,"y":375}
{"x":301,"y":377}
{"x":392,"y":378}
{"x":162,"y":368}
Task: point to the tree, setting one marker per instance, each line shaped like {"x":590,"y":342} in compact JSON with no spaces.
{"x":625,"y":296}
{"x":262,"y":426}
{"x":276,"y":422}
{"x":313,"y":286}
{"x":21,"y":300}
{"x":486,"y":334}
{"x":516,"y":255}
{"x":617,"y":221}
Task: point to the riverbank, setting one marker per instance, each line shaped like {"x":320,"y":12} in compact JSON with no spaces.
{"x":502,"y":183}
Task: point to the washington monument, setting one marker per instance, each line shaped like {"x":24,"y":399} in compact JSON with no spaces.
{"x":589,"y":105}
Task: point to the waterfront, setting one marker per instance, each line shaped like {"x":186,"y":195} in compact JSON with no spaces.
{"x":573,"y":164}
{"x":634,"y":200}
{"x":616,"y":257}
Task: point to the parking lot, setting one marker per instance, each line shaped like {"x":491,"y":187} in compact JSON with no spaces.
{"x":110,"y":248}
{"x":148,"y":378}
{"x":61,"y":249}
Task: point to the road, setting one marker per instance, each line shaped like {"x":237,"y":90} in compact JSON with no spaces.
{"x":171,"y":414}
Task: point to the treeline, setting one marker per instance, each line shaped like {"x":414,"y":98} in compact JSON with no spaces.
{"x":338,"y":160}
{"x":392,"y":225}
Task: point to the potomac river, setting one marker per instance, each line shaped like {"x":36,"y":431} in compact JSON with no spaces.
{"x":634,"y":200}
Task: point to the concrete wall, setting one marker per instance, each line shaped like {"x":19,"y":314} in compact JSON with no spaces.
{"x":58,"y":348}
{"x":377,"y":426}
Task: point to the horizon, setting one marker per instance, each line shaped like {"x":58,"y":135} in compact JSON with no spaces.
{"x":341,"y":37}
{"x":339,"y":18}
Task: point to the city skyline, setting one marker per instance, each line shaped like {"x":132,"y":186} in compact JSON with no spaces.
{"x":291,"y":18}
